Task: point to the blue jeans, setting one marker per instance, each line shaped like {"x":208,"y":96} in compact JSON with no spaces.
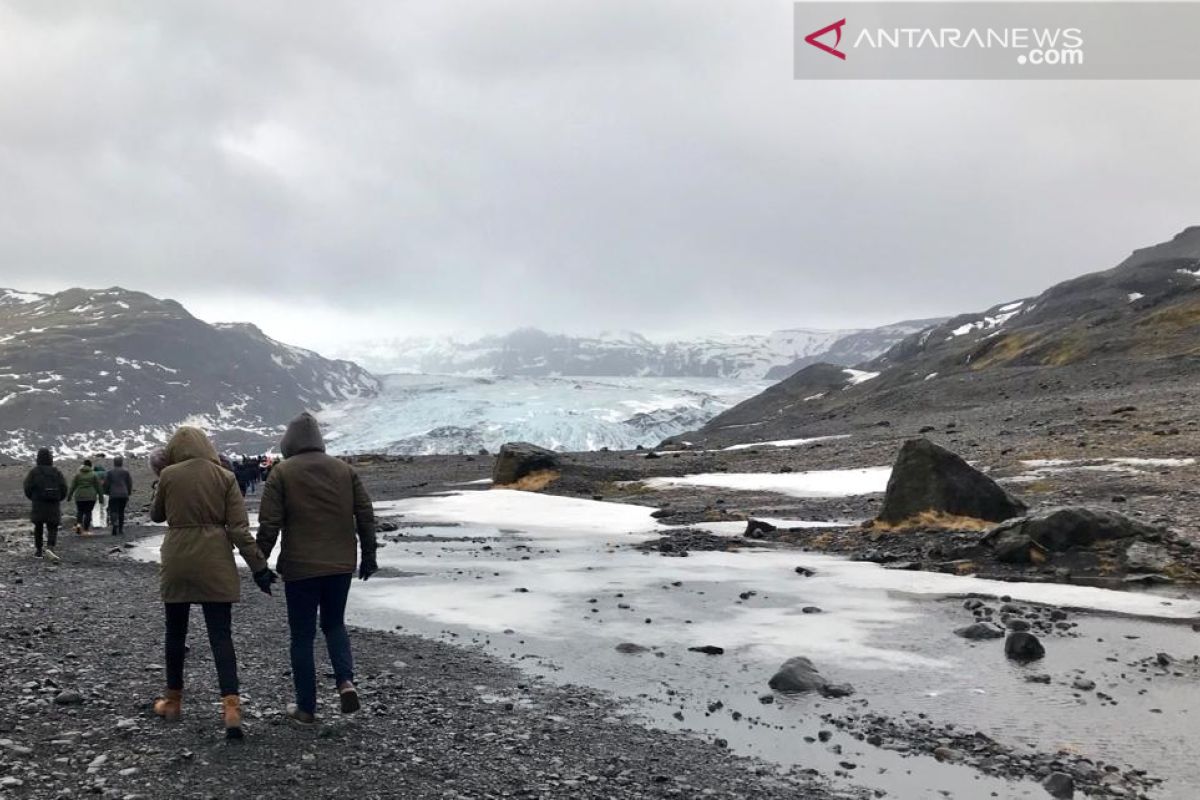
{"x":326,"y":595}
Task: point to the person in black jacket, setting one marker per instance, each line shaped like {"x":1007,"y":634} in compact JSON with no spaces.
{"x":118,"y":486}
{"x":46,"y":488}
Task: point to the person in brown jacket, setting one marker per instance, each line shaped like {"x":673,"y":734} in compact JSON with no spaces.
{"x":320,"y":506}
{"x":206,"y":519}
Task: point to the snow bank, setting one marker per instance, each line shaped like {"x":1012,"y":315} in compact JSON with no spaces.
{"x":816,"y":483}
{"x":786,"y":442}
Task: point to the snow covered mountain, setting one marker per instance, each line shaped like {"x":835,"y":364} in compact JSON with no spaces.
{"x":531,"y":352}
{"x":113,"y":370}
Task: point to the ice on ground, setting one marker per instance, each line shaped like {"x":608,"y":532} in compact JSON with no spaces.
{"x":549,"y":556}
{"x":739,"y":528}
{"x":1041,"y":468}
{"x":786,"y":442}
{"x":816,"y":483}
{"x":530,"y":512}
{"x":1135,"y":296}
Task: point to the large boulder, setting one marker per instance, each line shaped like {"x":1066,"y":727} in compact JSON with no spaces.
{"x":1063,"y":529}
{"x":798,"y":675}
{"x":927,"y":477}
{"x":1023,"y":646}
{"x":518,"y":459}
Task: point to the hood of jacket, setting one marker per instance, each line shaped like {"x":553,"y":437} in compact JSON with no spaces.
{"x":85,"y":470}
{"x":303,"y":436}
{"x":44,"y":459}
{"x":189,"y":443}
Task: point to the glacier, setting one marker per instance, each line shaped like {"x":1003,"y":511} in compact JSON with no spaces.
{"x":430,"y":414}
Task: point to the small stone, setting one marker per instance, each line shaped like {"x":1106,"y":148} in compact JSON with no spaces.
{"x":1060,"y":785}
{"x":68,"y":698}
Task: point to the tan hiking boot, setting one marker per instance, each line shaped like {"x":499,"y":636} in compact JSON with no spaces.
{"x":231,"y":712}
{"x":170,"y":706}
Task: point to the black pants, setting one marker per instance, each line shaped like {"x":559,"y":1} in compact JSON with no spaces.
{"x":116,"y":512}
{"x":51,"y":529}
{"x":83,"y":512}
{"x":218,"y":618}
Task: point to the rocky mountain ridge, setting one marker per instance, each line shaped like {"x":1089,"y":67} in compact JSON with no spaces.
{"x":115,"y":370}
{"x":1138,"y":321}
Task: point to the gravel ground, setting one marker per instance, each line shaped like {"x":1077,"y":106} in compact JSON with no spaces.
{"x":82,"y":658}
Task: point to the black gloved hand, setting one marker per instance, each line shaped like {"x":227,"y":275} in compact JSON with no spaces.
{"x":367,"y":567}
{"x":264,"y":578}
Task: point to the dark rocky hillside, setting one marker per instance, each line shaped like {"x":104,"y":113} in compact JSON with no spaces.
{"x":116,"y":370}
{"x":1137,"y":323}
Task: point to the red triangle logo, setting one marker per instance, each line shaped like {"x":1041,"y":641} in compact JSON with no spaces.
{"x":813,"y":39}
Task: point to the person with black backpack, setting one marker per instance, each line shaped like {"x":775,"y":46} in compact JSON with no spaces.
{"x":46,"y":488}
{"x":118,"y":486}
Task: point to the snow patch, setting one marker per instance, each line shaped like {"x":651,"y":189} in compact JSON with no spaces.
{"x":857,"y":376}
{"x":817,"y":483}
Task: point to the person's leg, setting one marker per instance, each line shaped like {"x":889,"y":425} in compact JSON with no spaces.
{"x":116,"y":514}
{"x":218,"y":618}
{"x":78,"y":516}
{"x":52,"y":535}
{"x":302,"y":600}
{"x":335,"y":589}
{"x":85,"y":513}
{"x":37,"y":539}
{"x":176,"y":642}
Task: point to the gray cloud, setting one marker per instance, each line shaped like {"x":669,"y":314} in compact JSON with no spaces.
{"x":384,"y":169}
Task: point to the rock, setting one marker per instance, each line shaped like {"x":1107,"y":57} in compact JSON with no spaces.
{"x":1143,"y":557}
{"x":980,"y":630}
{"x":1039,"y":678}
{"x":1060,"y":785}
{"x":1012,"y":547}
{"x":805,"y":572}
{"x":798,"y":675}
{"x":946,"y":754}
{"x":518,"y":459}
{"x":1062,"y":529}
{"x":927,"y":477}
{"x":810,"y":610}
{"x":1163,"y":659}
{"x":1023,"y":646}
{"x":630,"y":648}
{"x":1147,"y":579}
{"x":757,"y":529}
{"x":68,"y":699}
{"x":708,"y":650}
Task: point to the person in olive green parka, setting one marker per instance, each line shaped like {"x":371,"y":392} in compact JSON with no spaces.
{"x":206,"y":519}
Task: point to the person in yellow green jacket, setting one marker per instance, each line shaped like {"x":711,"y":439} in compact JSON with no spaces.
{"x":86,"y":489}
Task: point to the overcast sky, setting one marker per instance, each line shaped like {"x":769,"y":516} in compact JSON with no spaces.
{"x":336,"y":171}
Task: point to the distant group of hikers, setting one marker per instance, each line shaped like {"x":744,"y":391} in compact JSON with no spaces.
{"x":46,"y":488}
{"x":249,"y":471}
{"x":313,"y":503}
